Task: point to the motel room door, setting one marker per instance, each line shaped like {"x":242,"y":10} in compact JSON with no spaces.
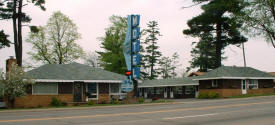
{"x":78,"y":91}
{"x":165,"y":92}
{"x":244,"y":86}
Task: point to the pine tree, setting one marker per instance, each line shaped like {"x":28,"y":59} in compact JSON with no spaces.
{"x":217,"y":20}
{"x":152,"y":54}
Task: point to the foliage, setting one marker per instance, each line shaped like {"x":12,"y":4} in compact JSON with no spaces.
{"x":217,"y":27}
{"x":55,"y":43}
{"x":168,"y":65}
{"x":259,"y":18}
{"x":111,"y":58}
{"x":12,"y":9}
{"x":56,"y":102}
{"x":140,"y":100}
{"x":152,"y":54}
{"x":203,"y":54}
{"x":115,"y":101}
{"x":92,"y":59}
{"x":91,"y":102}
{"x":14,"y":84}
{"x":4,"y":42}
{"x":208,"y":95}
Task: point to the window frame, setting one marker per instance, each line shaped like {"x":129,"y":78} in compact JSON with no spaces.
{"x":45,"y":93}
{"x":93,"y":93}
{"x":119,"y":89}
{"x":214,"y":83}
{"x":252,"y":82}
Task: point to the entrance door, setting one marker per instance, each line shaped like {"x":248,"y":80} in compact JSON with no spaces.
{"x":244,"y":85}
{"x":78,"y":91}
{"x":165,"y":93}
{"x":145,"y":92}
{"x":171,"y":93}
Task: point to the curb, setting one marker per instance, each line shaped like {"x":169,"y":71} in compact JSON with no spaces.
{"x":132,"y":105}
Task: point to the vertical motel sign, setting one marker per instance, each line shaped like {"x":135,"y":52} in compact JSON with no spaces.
{"x":131,"y":51}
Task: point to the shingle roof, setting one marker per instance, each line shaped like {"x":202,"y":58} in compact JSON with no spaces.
{"x":73,"y":71}
{"x":233,"y":72}
{"x":168,"y":82}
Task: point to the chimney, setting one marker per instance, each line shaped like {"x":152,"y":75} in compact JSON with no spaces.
{"x":9,"y":62}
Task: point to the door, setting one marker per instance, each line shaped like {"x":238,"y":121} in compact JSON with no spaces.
{"x":165,"y":93}
{"x":244,"y":86}
{"x":171,"y":93}
{"x":78,"y":91}
{"x":145,"y":92}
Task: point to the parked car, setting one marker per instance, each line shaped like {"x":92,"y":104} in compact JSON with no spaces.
{"x":2,"y":103}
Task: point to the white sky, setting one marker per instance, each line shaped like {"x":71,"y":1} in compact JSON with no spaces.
{"x":91,"y":17}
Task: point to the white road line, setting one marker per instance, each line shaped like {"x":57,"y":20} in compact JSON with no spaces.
{"x":191,"y":116}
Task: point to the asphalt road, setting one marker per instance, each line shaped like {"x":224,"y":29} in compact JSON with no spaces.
{"x":248,"y":111}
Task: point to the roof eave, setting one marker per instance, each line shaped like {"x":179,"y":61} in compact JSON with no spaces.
{"x":210,"y":78}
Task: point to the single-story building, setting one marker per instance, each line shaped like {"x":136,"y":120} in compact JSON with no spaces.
{"x":169,"y":88}
{"x":70,"y":83}
{"x":231,"y":81}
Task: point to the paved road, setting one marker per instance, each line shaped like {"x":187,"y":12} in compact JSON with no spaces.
{"x":249,"y":111}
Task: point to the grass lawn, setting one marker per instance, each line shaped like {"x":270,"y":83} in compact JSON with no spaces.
{"x":251,"y":95}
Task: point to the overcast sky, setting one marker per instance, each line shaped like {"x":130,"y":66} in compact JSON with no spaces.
{"x":91,"y":17}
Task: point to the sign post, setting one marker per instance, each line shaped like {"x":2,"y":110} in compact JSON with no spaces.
{"x":131,"y":53}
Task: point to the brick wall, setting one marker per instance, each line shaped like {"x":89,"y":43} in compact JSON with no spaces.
{"x":103,"y":98}
{"x":43,"y":100}
{"x":236,"y":92}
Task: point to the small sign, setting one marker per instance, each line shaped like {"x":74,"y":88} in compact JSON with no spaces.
{"x":127,"y":85}
{"x":136,"y":72}
{"x":136,"y":60}
{"x":136,"y":46}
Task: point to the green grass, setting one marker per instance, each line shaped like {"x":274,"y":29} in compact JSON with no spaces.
{"x":251,"y":95}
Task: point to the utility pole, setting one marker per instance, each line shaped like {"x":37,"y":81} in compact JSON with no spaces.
{"x":244,"y":60}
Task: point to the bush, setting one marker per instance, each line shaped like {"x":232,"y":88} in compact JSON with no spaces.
{"x":91,"y":102}
{"x":56,"y":102}
{"x":213,"y":95}
{"x":140,"y":100}
{"x":115,"y":101}
{"x":208,"y":95}
{"x":155,"y":98}
{"x":203,"y":95}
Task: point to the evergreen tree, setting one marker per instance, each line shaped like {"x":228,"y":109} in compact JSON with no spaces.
{"x":152,"y":54}
{"x":217,"y":20}
{"x":111,"y":58}
{"x":12,"y":9}
{"x":4,"y":42}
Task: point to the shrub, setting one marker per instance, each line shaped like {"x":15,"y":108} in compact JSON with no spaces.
{"x":155,"y":98}
{"x":39,"y":106}
{"x":91,"y":102}
{"x":56,"y":102}
{"x":208,"y":95}
{"x":115,"y":101}
{"x":203,"y":95}
{"x":213,"y":95}
{"x":140,"y":100}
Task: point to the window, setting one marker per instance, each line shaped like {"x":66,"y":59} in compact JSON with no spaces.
{"x":179,"y":89}
{"x":150,"y":90}
{"x":215,"y":83}
{"x":114,"y":88}
{"x":159,"y":90}
{"x":92,"y":90}
{"x":189,"y":90}
{"x":252,"y":84}
{"x":45,"y":89}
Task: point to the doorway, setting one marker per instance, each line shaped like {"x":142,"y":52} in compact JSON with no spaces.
{"x":78,"y":91}
{"x":244,"y":86}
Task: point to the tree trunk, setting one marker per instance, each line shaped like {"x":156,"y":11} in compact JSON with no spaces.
{"x":14,"y":17}
{"x":20,"y":46}
{"x":218,"y":44}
